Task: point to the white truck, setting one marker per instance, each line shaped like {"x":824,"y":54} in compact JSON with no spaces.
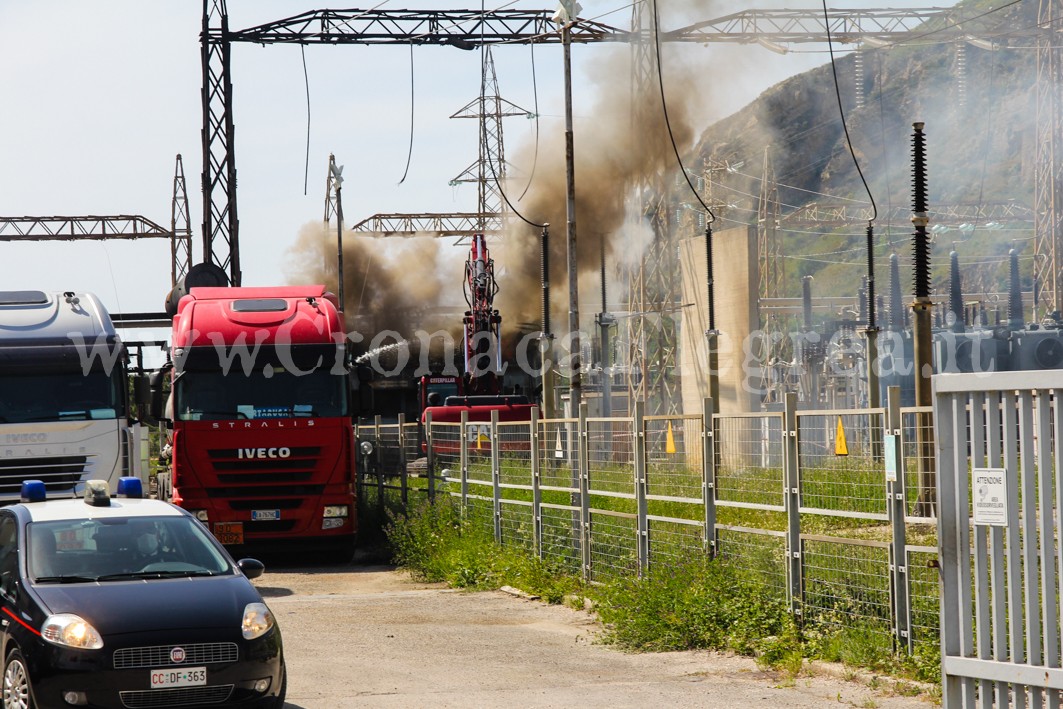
{"x":64,"y":399}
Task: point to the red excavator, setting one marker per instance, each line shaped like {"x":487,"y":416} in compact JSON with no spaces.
{"x":479,"y":390}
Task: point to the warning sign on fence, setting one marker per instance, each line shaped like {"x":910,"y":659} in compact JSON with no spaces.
{"x":840,"y":446}
{"x":990,"y":496}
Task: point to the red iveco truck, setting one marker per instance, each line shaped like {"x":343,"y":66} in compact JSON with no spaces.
{"x":262,"y":443}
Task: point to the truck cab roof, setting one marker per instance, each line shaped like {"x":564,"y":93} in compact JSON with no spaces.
{"x":38,"y":318}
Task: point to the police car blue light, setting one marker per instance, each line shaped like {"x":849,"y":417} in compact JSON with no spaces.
{"x":33,"y":491}
{"x":130,"y":487}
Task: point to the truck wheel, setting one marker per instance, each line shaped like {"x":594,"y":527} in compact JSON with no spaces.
{"x":17,"y":694}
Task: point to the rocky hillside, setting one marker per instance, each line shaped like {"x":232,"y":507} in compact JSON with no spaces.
{"x":981,"y":149}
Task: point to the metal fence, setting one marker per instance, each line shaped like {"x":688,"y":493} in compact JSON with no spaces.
{"x":1001,"y":502}
{"x":820,"y":505}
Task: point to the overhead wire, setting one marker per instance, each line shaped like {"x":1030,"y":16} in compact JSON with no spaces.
{"x":535,"y":95}
{"x":483,"y":136}
{"x":306,"y":81}
{"x":409,"y":154}
{"x":711,"y":217}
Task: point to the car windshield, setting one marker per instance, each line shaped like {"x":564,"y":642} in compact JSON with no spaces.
{"x":270,"y":393}
{"x":113,"y":549}
{"x":60,"y":396}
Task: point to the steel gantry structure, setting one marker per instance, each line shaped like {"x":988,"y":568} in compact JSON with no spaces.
{"x":471,"y":29}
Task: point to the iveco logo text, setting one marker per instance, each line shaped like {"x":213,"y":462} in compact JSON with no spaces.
{"x":263,"y":452}
{"x":25,"y":437}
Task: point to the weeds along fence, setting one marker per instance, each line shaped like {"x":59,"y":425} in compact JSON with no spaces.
{"x":828,"y":507}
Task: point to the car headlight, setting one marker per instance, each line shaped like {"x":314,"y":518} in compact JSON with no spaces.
{"x":336,"y":511}
{"x":257,"y":620}
{"x":70,"y":630}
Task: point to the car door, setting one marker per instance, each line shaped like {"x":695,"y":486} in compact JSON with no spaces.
{"x":9,"y":576}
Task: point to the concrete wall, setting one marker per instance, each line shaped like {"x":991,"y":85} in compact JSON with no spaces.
{"x":736,"y":285}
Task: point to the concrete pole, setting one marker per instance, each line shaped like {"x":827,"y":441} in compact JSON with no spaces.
{"x":575,"y":382}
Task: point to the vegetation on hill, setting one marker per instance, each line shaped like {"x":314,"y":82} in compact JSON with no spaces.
{"x":982,"y":142}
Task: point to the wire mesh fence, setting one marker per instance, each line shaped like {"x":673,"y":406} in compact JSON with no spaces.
{"x":847,"y":584}
{"x":749,"y":460}
{"x":558,"y":452}
{"x":638,"y":495}
{"x":917,"y":449}
{"x":611,"y":455}
{"x":759,"y":553}
{"x":674,"y":457}
{"x":673,"y":542}
{"x":841,"y":463}
{"x":613,"y":545}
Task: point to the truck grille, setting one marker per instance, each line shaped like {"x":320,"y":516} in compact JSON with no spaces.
{"x":300,"y":466}
{"x":158,"y":656}
{"x":182,"y":697}
{"x":59,"y":473}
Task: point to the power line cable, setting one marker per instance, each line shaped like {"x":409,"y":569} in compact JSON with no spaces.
{"x":667,"y":121}
{"x":409,"y":154}
{"x":535,"y":95}
{"x":306,"y":81}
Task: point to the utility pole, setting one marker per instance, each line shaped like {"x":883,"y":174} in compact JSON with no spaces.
{"x":566,"y":14}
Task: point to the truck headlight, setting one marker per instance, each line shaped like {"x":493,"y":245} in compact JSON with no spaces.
{"x":69,"y":630}
{"x":336,"y":511}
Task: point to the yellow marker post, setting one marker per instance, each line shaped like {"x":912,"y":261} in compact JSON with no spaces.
{"x":840,"y":447}
{"x":669,"y":441}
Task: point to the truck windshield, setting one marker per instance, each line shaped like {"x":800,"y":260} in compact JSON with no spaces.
{"x":61,"y":396}
{"x":273,"y":393}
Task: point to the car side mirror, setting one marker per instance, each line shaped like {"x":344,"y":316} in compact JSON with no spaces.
{"x":251,"y":568}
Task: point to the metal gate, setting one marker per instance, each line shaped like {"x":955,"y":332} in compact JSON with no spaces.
{"x":1000,"y":499}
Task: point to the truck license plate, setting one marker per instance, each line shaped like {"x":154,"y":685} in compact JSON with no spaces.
{"x":263,"y":515}
{"x":184,"y":677}
{"x":229,"y":532}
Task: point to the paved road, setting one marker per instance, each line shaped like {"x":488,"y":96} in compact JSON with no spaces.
{"x":368,"y":636}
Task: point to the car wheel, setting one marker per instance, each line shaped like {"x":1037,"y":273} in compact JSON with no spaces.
{"x":16,"y":683}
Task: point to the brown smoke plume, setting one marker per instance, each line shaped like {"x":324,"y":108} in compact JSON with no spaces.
{"x":391,"y":283}
{"x":620,"y":145}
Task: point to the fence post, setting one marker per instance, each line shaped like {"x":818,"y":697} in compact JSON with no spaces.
{"x":496,"y":477}
{"x":708,"y":476}
{"x":359,"y":474}
{"x":583,"y":465}
{"x":463,"y":443}
{"x":378,"y":455}
{"x":899,"y":577}
{"x":794,"y":548}
{"x":536,"y":481}
{"x":642,"y":507}
{"x":431,"y":467}
{"x":403,"y":481}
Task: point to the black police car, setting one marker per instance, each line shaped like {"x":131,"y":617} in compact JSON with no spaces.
{"x":128,"y":602}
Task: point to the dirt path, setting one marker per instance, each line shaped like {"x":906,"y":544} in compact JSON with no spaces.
{"x":371,"y":637}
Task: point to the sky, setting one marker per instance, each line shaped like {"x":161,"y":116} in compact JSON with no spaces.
{"x":99,"y":97}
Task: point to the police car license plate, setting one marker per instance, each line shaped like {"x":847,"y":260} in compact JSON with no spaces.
{"x":229,"y":532}
{"x":184,"y":677}
{"x":264,"y":515}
